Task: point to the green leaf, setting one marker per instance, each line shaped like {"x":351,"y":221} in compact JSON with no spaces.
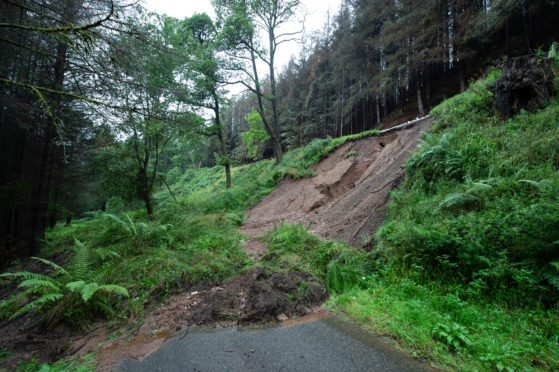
{"x":45,"y":368}
{"x":113,"y":288}
{"x":39,"y":283}
{"x":77,"y":285}
{"x":89,"y":290}
{"x":58,"y":268}
{"x":52,"y":297}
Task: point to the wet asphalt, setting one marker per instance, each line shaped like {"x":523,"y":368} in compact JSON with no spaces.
{"x":329,"y":344}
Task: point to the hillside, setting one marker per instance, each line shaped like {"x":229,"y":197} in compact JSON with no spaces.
{"x":463,"y":271}
{"x":346,"y":198}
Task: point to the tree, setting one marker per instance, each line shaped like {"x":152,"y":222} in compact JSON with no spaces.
{"x":242,"y":22}
{"x":42,"y":43}
{"x":147,"y":80}
{"x":205,"y":69}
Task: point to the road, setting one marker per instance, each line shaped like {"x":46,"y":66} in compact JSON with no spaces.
{"x":328,"y":344}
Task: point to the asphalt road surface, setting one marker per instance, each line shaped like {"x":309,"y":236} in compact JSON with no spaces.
{"x":329,"y":344}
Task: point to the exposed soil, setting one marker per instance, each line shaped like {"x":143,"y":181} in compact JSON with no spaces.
{"x":258,"y":296}
{"x":346,"y":199}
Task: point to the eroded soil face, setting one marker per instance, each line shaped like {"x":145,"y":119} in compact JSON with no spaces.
{"x":346,"y":199}
{"x":259,"y":296}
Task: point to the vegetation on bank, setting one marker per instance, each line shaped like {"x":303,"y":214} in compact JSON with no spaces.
{"x":468,"y":259}
{"x":464,"y":271}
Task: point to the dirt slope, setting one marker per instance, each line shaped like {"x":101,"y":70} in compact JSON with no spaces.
{"x":346,"y":199}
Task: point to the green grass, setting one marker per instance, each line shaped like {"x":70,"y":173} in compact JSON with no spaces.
{"x":292,"y":247}
{"x":500,"y":337}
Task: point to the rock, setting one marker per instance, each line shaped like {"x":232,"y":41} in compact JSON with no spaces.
{"x":526,"y":83}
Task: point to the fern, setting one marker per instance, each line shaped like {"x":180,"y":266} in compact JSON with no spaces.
{"x":341,"y":273}
{"x":139,"y":234}
{"x":40,"y":302}
{"x":39,"y":283}
{"x":56,"y":267}
{"x":26,"y":275}
{"x":439,"y":156}
{"x":88,"y":290}
{"x":62,"y":289}
{"x":459,"y":200}
{"x":82,"y":259}
{"x":113,"y":288}
{"x":554,"y":52}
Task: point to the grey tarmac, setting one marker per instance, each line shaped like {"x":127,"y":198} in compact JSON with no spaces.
{"x":329,"y":344}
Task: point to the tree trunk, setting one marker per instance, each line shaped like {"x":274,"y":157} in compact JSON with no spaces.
{"x":145,"y":190}
{"x":377,"y":104}
{"x":149,"y":206}
{"x":223,"y":145}
{"x":259,"y":96}
{"x":274,"y":100}
{"x":420,"y":100}
{"x":40,"y":207}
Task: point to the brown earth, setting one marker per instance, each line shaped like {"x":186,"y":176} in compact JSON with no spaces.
{"x":258,"y":296}
{"x":346,"y":199}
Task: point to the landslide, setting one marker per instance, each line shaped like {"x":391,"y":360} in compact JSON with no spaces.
{"x":347,"y":197}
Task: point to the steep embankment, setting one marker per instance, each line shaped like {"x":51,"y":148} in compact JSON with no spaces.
{"x":347,"y":197}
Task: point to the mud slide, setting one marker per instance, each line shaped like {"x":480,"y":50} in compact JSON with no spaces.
{"x":346,"y":199}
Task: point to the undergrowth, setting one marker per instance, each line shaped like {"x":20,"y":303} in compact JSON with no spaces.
{"x":468,"y":255}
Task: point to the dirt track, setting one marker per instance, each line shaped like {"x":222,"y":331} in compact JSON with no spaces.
{"x":346,"y":199}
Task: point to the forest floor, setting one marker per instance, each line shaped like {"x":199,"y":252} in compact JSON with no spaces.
{"x":346,"y":199}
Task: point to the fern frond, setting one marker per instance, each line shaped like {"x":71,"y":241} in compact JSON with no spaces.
{"x":75,"y":286}
{"x":113,"y":288}
{"x":101,"y":274}
{"x":104,"y":253}
{"x":39,"y":283}
{"x":132,"y":227}
{"x":89,"y":290}
{"x":51,"y":297}
{"x":530,"y":182}
{"x":119,"y":221}
{"x":56,"y":267}
{"x":26,"y":275}
{"x":82,"y":259}
{"x":458,"y":200}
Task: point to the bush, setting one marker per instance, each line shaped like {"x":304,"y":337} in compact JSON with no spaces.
{"x":480,"y":204}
